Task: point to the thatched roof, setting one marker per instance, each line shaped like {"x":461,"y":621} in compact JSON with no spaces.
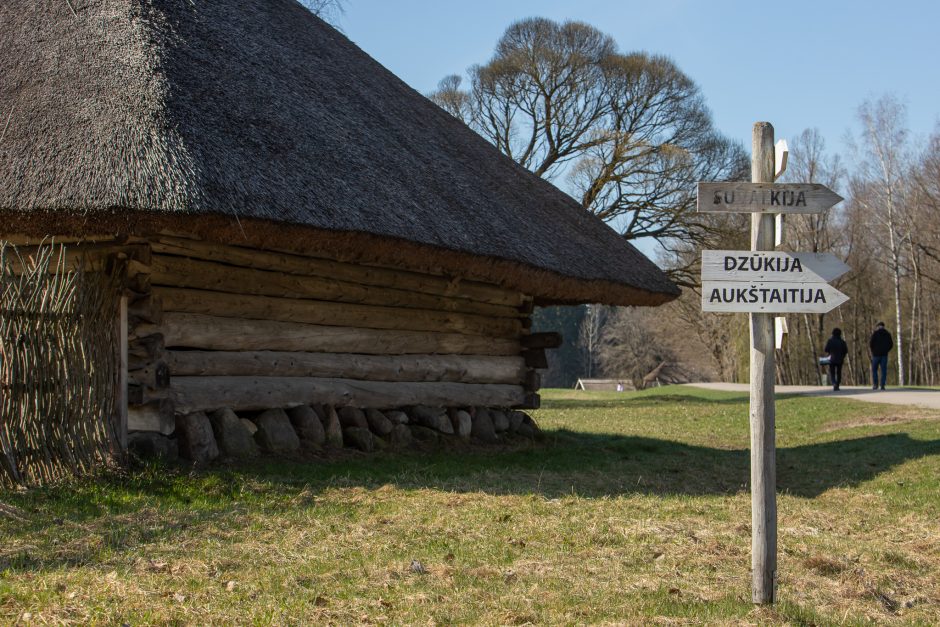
{"x":254,"y":122}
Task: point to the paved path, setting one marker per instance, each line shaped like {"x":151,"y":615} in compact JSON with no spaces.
{"x":893,"y":396}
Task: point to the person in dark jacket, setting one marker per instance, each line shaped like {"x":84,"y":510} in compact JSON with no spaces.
{"x":837,"y":349}
{"x":879,"y":346}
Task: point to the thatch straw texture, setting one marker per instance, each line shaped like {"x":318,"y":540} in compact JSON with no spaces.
{"x":254,"y":122}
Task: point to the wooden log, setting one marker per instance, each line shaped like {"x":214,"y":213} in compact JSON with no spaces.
{"x":535,"y":358}
{"x":155,"y":416}
{"x":258,"y":393}
{"x":145,"y":309}
{"x":208,"y":275}
{"x":29,"y":240}
{"x":145,"y":347}
{"x":144,"y":340}
{"x":95,"y":264}
{"x":139,"y":262}
{"x":331,"y":314}
{"x":155,"y":375}
{"x":531,"y":401}
{"x":121,"y":395}
{"x":414,"y":368}
{"x":533,"y":381}
{"x":138,"y":284}
{"x":88,"y":257}
{"x":354,"y":273}
{"x":542,"y":340}
{"x":135,"y":394}
{"x":228,"y":334}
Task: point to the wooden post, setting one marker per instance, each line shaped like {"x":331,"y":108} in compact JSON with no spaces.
{"x":763,"y":462}
{"x":763,"y":199}
{"x":122,"y":398}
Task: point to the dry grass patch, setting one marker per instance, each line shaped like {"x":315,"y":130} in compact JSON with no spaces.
{"x":823,"y":565}
{"x":901,"y":416}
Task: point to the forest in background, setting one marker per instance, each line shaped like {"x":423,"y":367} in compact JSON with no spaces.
{"x":628,"y":135}
{"x":886,"y":230}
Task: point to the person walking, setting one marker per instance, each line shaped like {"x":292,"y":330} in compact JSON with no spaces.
{"x":880,"y":345}
{"x":837,"y":349}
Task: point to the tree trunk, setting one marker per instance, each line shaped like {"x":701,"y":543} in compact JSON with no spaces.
{"x":899,"y":321}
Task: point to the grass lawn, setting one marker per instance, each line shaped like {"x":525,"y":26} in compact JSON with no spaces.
{"x":634,"y":510}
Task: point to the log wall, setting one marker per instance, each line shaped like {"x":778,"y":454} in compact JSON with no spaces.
{"x":213,"y":326}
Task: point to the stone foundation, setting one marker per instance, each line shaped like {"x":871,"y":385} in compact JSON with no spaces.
{"x":304,"y":430}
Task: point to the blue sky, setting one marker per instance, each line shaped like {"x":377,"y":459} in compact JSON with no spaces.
{"x":796,"y":64}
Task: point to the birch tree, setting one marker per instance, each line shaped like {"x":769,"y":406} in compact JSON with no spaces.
{"x":879,"y":188}
{"x":589,"y":337}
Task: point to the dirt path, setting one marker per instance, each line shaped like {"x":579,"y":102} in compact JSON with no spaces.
{"x":892,"y":396}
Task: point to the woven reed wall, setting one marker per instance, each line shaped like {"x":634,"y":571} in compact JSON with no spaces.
{"x":58,"y":367}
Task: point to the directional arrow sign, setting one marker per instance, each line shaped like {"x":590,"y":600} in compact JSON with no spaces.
{"x":747,"y":265}
{"x":765,"y":197}
{"x":767,"y":297}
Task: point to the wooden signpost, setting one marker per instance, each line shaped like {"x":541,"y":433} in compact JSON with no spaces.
{"x":770,"y":297}
{"x":735,"y":265}
{"x":765,"y":197}
{"x":762,"y":282}
{"x":770,"y":282}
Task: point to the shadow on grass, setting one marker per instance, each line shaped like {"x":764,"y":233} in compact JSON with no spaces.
{"x":119,"y":513}
{"x":594,"y":465}
{"x":589,"y":465}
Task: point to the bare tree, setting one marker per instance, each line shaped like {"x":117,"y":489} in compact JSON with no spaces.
{"x":810,"y":163}
{"x":589,"y":336}
{"x":924,"y":253}
{"x":630,"y":348}
{"x":879,"y":188}
{"x":327,"y":10}
{"x":450,"y":97}
{"x":706,"y":334}
{"x":889,"y":277}
{"x":926,"y":182}
{"x":628,"y":134}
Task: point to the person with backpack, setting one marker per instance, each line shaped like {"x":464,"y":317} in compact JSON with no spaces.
{"x":836,"y":349}
{"x":880,"y":345}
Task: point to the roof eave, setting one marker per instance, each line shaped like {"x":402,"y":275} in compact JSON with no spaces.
{"x":547,"y":287}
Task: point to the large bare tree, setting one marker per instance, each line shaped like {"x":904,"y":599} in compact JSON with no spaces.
{"x":628,"y":135}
